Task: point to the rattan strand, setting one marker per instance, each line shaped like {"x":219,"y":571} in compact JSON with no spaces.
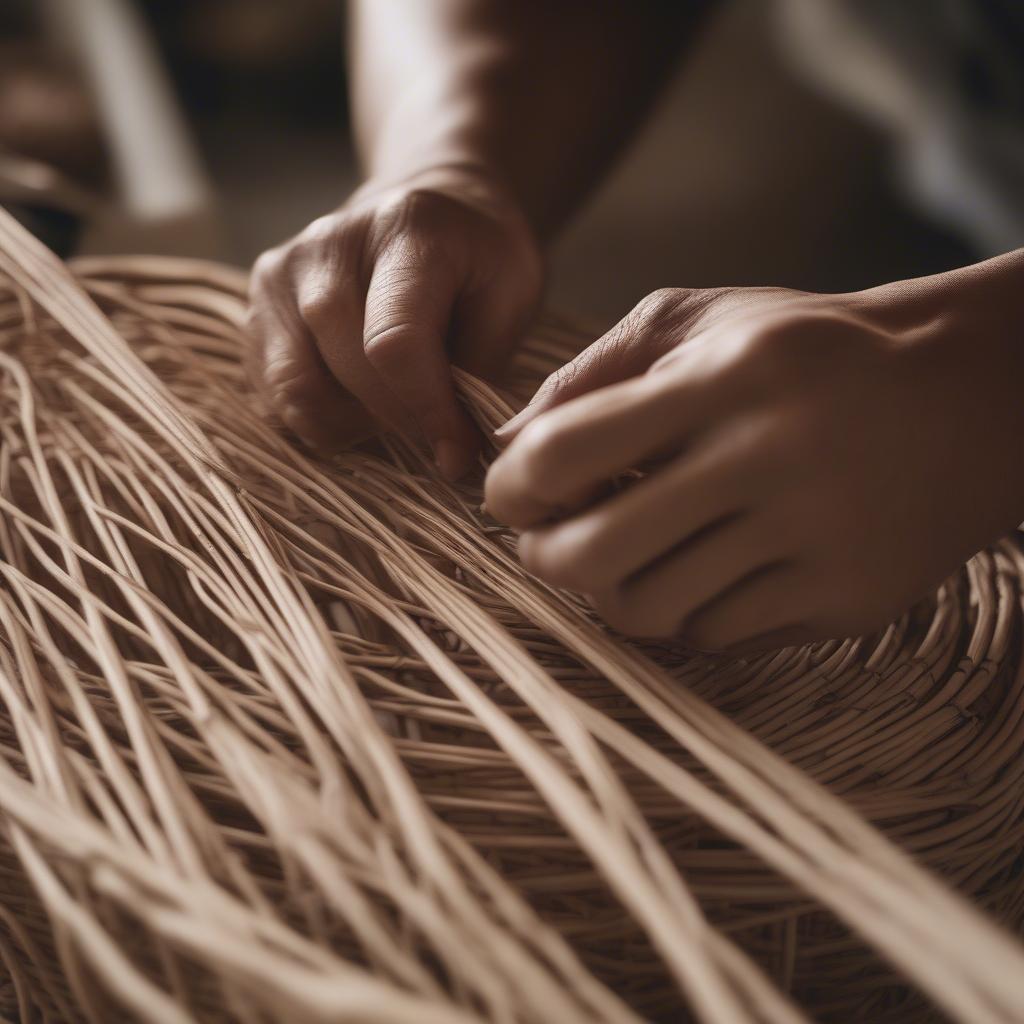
{"x":286,"y":739}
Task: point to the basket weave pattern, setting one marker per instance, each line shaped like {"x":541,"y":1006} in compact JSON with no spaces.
{"x":285,"y":739}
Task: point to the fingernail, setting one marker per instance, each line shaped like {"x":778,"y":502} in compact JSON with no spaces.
{"x":510,"y":426}
{"x":451,"y":459}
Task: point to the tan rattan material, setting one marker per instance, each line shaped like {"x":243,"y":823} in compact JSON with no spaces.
{"x":290,"y":740}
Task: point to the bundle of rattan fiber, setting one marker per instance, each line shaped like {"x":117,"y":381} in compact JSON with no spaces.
{"x":284,"y":739}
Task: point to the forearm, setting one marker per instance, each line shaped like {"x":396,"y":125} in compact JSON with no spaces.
{"x":539,"y":96}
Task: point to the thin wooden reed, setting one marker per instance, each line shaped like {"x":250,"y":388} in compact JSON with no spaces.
{"x":286,"y":739}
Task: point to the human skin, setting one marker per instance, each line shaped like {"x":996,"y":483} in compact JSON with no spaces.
{"x":816,"y":463}
{"x":813,"y":463}
{"x":481,"y":124}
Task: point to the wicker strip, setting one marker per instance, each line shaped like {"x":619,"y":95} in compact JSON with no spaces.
{"x":294,"y":740}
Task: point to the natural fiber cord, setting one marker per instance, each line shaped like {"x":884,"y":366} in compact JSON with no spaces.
{"x":284,"y":739}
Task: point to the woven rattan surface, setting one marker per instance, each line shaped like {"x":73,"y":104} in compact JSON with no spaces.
{"x":295,"y":740}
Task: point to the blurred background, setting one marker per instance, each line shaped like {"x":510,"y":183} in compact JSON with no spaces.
{"x":216,"y":128}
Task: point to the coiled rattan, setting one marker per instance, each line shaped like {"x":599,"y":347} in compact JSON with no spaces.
{"x":284,"y":739}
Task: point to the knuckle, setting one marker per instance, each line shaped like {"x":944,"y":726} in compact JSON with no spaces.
{"x":287,"y":386}
{"x":700,"y":307}
{"x":424,"y":202}
{"x":564,"y":555}
{"x":384,"y":343}
{"x":545,"y":557}
{"x":583,"y":543}
{"x":626,"y":617}
{"x":283,"y":374}
{"x":269,"y":267}
{"x":416,"y":211}
{"x":654,"y":322}
{"x":322,"y":233}
{"x":659,"y":303}
{"x":774,"y":354}
{"x":499,"y":485}
{"x":558,"y":380}
{"x":541,"y":450}
{"x":406,"y":285}
{"x":331,"y":242}
{"x":775,"y":343}
{"x":317,"y":300}
{"x":802,"y":346}
{"x":652,"y":314}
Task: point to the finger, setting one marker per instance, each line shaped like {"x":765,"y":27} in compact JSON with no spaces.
{"x":658,"y":600}
{"x":764,"y":602}
{"x":571,"y":450}
{"x":652,"y":328}
{"x":488,"y":326}
{"x":408,"y":316}
{"x":619,"y":538}
{"x":493,"y":315}
{"x":575,"y":449}
{"x":293,"y":382}
{"x":330,"y":304}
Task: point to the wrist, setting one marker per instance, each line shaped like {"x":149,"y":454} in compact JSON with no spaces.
{"x":460,"y":161}
{"x":449,"y":173}
{"x":467,"y":180}
{"x":965,"y":352}
{"x":986,"y":296}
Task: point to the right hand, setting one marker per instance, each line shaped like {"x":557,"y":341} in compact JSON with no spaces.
{"x":356,"y":320}
{"x":810,"y":460}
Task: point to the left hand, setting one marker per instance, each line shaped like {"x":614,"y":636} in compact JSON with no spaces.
{"x":819,"y":461}
{"x":355,"y":321}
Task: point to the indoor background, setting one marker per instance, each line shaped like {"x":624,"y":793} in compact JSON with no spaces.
{"x":745,"y":174}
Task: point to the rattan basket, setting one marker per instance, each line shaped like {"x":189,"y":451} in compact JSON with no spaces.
{"x":295,"y":740}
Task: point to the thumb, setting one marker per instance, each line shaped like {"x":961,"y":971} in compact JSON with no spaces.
{"x":653,"y":327}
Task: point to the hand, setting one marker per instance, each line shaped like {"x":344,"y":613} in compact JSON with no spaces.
{"x":819,"y":462}
{"x":354,"y":320}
